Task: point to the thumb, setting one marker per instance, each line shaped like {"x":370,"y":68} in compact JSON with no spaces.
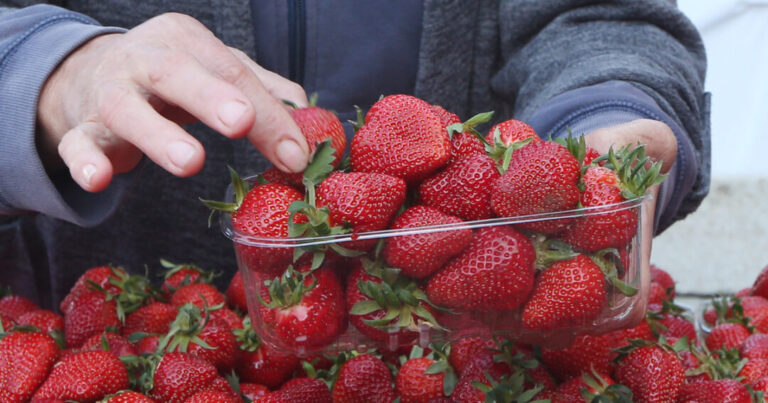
{"x":659,"y":140}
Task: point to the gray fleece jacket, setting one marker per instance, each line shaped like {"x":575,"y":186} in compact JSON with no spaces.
{"x":578,"y":64}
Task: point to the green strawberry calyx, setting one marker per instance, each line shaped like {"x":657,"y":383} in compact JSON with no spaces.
{"x":247,"y":338}
{"x":609,"y":262}
{"x":400,"y":297}
{"x":508,"y":389}
{"x":636,"y":173}
{"x":240,"y":188}
{"x":189,"y":322}
{"x":288,"y":289}
{"x":602,"y":391}
{"x":206,"y":276}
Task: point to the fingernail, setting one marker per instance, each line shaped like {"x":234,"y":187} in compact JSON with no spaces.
{"x":88,"y":172}
{"x":230,"y":112}
{"x":291,"y":156}
{"x":180,"y":153}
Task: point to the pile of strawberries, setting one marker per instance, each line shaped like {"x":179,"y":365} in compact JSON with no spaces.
{"x":120,"y":339}
{"x":412,"y":166}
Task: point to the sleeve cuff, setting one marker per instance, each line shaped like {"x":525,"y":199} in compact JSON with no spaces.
{"x":25,"y":64}
{"x":614,"y":102}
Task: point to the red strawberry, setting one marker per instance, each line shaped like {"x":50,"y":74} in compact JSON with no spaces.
{"x":542,"y":177}
{"x":589,"y":155}
{"x":259,"y":363}
{"x":760,"y":287}
{"x":108,"y":341}
{"x":375,"y":292}
{"x":364,"y":378}
{"x":25,"y":360}
{"x":722,"y":391}
{"x":656,"y":294}
{"x":211,"y":396}
{"x":201,"y":335}
{"x":666,"y":281}
{"x":401,"y":137}
{"x":495,"y":272}
{"x":677,"y":327}
{"x":304,"y":310}
{"x":102,"y":276}
{"x":653,"y":373}
{"x":478,"y":370}
{"x":236,"y":293}
{"x":6,"y":323}
{"x":317,"y":125}
{"x":253,"y":391}
{"x":260,"y":211}
{"x":446,"y":117}
{"x":726,"y":336}
{"x":147,"y":345}
{"x":278,"y":177}
{"x":754,"y":370}
{"x":463,"y":188}
{"x":624,"y":177}
{"x":228,"y":316}
{"x":363,"y":201}
{"x":44,"y":320}
{"x":201,"y":294}
{"x":178,"y":275}
{"x":755,"y":346}
{"x":13,"y":306}
{"x":179,"y":376}
{"x":464,"y":139}
{"x":589,"y":386}
{"x":464,"y":349}
{"x":420,"y":255}
{"x":128,"y":397}
{"x":569,"y":293}
{"x":152,"y":318}
{"x":761,"y":386}
{"x":511,"y":131}
{"x":86,"y":377}
{"x":300,"y":390}
{"x":91,"y":313}
{"x":415,"y":384}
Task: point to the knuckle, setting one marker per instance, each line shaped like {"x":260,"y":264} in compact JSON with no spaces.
{"x":163,"y":69}
{"x":233,"y":72}
{"x":111,"y":101}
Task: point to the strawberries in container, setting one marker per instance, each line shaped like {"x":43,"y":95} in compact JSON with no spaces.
{"x":431,"y":230}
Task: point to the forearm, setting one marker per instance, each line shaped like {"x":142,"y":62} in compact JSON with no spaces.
{"x":647,"y":44}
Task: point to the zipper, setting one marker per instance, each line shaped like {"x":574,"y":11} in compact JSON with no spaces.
{"x":297,"y":38}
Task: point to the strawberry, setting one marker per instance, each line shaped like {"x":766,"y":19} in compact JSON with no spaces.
{"x":542,"y":177}
{"x":44,"y":320}
{"x":420,"y":255}
{"x":236,"y":293}
{"x":591,"y":387}
{"x":385,"y":306}
{"x":727,"y":335}
{"x":108,"y":341}
{"x":446,"y":117}
{"x":720,"y":391}
{"x":401,"y":137}
{"x":495,"y":272}
{"x":653,"y":373}
{"x":464,"y":348}
{"x":211,"y":396}
{"x":760,"y":287}
{"x":463,"y":188}
{"x":259,"y":363}
{"x":362,"y":201}
{"x":179,"y":376}
{"x":479,"y":370}
{"x":201,"y":335}
{"x":228,"y":316}
{"x":663,"y":278}
{"x":755,"y":346}
{"x":201,"y":295}
{"x":753,"y":370}
{"x":101,"y":276}
{"x":304,"y":310}
{"x":569,"y":293}
{"x":178,"y":275}
{"x":90,"y":314}
{"x":318,"y":124}
{"x":364,"y":378}
{"x":147,"y":344}
{"x":25,"y":361}
{"x":511,"y":131}
{"x":86,"y":377}
{"x":260,"y":211}
{"x":624,"y":177}
{"x":465,"y":140}
{"x":6,"y":323}
{"x":128,"y":397}
{"x":153,"y":318}
{"x":300,"y":390}
{"x":416,"y":384}
{"x":13,"y":306}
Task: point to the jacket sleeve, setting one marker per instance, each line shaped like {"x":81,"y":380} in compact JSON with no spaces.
{"x":33,"y":41}
{"x":588,"y":64}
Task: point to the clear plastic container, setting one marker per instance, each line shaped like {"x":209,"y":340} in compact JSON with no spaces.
{"x":619,"y":310}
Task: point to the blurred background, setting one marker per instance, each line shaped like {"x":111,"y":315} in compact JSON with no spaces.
{"x":723,"y":245}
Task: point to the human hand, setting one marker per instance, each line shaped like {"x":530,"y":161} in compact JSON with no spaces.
{"x":123,"y":95}
{"x":660,"y":145}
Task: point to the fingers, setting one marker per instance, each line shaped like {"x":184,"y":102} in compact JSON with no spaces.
{"x":278,"y":86}
{"x":660,"y":142}
{"x":126,"y":113}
